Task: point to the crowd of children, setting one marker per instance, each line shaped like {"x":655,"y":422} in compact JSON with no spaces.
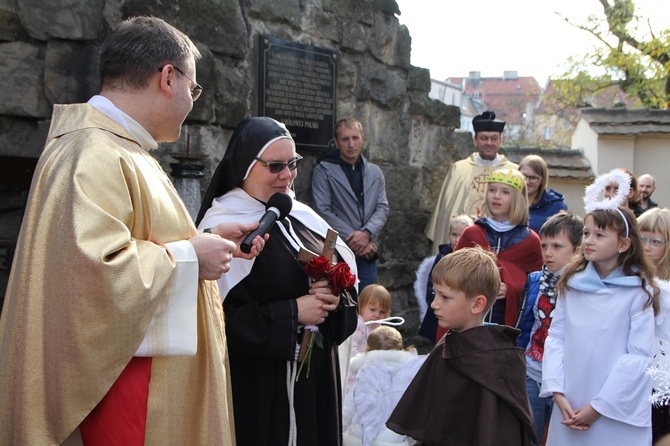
{"x":543,"y":339}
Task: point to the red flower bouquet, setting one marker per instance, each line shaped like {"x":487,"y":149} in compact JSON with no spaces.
{"x":318,"y":267}
{"x":340,"y":279}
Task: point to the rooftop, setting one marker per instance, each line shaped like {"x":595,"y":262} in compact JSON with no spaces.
{"x":563,"y":164}
{"x":623,"y":121}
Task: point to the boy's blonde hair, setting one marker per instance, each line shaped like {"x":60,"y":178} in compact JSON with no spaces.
{"x":375,"y":294}
{"x":658,"y":220}
{"x":384,"y":338}
{"x":472,"y":271}
{"x":518,"y":209}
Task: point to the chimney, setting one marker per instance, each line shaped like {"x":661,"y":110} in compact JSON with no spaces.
{"x":475,"y":75}
{"x":510,"y":75}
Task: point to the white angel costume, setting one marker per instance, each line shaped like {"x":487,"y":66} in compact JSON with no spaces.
{"x":382,"y":376}
{"x":601,"y":342}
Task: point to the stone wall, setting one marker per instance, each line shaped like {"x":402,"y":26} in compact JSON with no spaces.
{"x":50,"y":55}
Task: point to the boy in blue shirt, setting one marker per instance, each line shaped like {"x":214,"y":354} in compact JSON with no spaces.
{"x":560,"y":236}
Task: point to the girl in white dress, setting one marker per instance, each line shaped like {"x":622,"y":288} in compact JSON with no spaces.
{"x":601,"y":340}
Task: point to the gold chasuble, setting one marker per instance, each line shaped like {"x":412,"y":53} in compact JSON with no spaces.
{"x":463,"y":192}
{"x":89,"y":271}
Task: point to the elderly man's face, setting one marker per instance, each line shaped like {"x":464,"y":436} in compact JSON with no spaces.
{"x":488,"y":144}
{"x":645,"y":186}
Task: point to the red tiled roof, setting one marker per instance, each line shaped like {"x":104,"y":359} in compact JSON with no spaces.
{"x":507,"y":97}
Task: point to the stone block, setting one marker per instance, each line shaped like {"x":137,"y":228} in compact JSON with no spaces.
{"x":419,"y":79}
{"x":231,"y":92}
{"x":378,"y":83}
{"x":22,"y":137}
{"x":354,"y":35}
{"x":360,"y":10}
{"x":324,"y":24}
{"x":10,"y":24}
{"x":402,"y":242}
{"x":62,"y":19}
{"x":402,"y":187}
{"x":403,"y":48}
{"x":22,"y":72}
{"x":439,"y":112}
{"x":387,"y":6}
{"x":216,"y":23}
{"x":71,"y":71}
{"x":203,"y":108}
{"x":272,"y":10}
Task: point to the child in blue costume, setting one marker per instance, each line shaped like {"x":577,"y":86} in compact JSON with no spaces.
{"x":560,"y":236}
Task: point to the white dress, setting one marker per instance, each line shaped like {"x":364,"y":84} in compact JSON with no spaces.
{"x":381,"y":378}
{"x":600,"y":343}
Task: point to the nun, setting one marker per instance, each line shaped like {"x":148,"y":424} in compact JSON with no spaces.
{"x":269,"y":300}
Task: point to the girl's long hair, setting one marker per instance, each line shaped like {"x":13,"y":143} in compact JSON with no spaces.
{"x":633,"y":262}
{"x":658,"y":220}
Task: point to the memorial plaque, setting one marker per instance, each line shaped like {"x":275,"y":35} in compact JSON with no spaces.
{"x":298,"y":86}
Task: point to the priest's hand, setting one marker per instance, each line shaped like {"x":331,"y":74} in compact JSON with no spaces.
{"x":237,"y":232}
{"x":214,"y":255}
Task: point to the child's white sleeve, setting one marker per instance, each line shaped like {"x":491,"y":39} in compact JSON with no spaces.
{"x":624,"y":395}
{"x":552,"y":360}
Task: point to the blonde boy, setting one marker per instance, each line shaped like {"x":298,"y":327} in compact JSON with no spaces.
{"x":471,"y":388}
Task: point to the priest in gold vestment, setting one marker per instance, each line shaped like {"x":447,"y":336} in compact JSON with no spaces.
{"x":105,"y":246}
{"x":464,"y":187}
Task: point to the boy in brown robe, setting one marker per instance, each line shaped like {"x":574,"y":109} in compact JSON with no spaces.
{"x":471,"y":390}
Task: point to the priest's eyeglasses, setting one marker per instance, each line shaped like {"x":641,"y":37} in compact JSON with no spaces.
{"x":277,"y":166}
{"x":195,"y":91}
{"x":654,"y":243}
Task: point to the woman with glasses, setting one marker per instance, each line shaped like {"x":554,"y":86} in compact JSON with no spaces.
{"x":543,"y":201}
{"x":269,"y":300}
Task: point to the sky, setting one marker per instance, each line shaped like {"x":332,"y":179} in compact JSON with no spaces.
{"x":454,"y":37}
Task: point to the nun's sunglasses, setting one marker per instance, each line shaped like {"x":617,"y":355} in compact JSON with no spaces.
{"x":276,"y":166}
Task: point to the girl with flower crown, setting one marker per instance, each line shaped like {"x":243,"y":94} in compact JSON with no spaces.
{"x":503,"y":229}
{"x":601,"y":339}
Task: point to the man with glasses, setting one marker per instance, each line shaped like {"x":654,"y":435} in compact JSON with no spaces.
{"x":106,"y":252}
{"x":349,"y":192}
{"x":464,"y":187}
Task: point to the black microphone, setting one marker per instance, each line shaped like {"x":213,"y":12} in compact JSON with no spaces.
{"x":278,"y":207}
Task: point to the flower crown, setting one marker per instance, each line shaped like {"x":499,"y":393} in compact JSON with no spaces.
{"x":593,"y":191}
{"x":507,"y":176}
